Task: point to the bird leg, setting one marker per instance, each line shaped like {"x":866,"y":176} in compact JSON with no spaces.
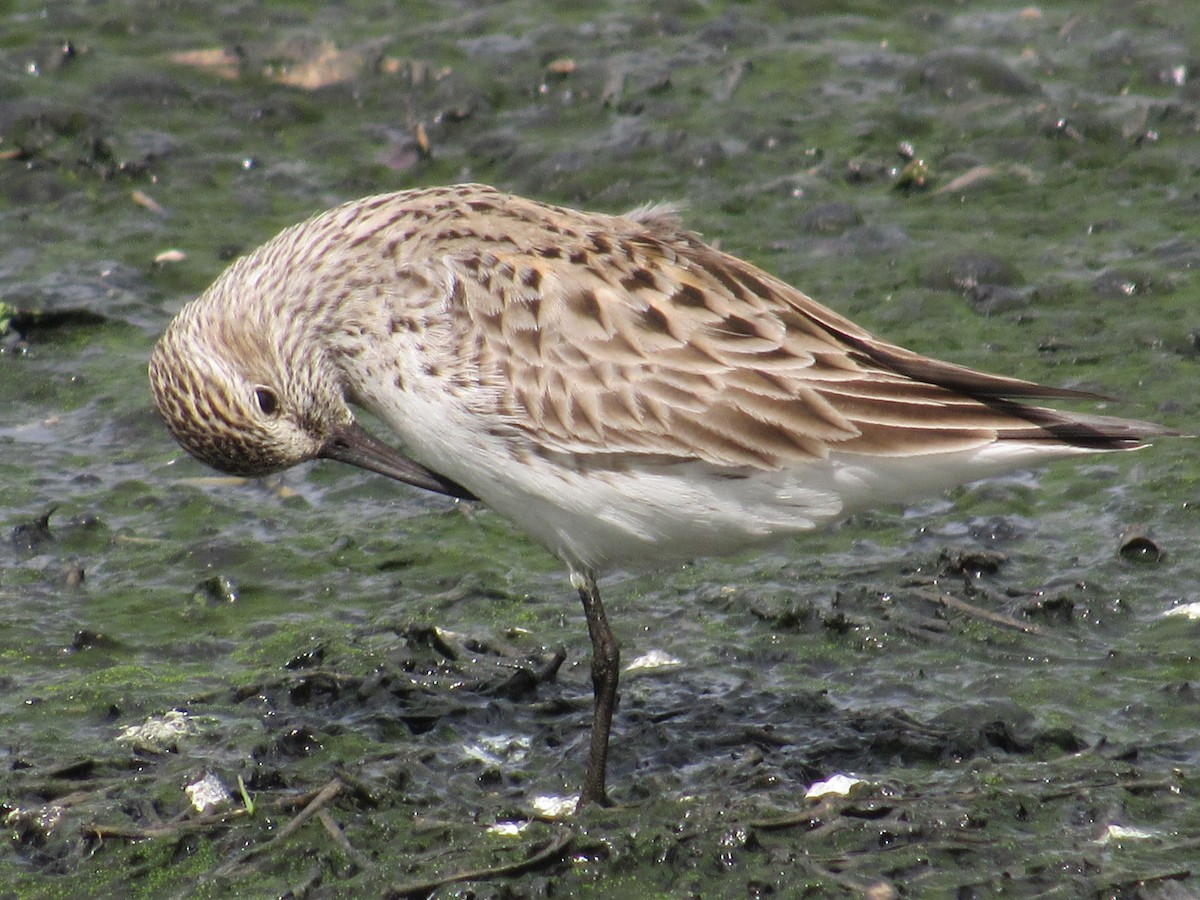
{"x":606,"y":659}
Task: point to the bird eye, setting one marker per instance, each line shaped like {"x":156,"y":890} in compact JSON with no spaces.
{"x":267,"y":401}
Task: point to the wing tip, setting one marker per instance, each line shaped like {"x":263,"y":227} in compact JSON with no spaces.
{"x":1083,"y":430}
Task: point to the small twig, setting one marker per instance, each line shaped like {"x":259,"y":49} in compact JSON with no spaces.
{"x":1142,"y":881}
{"x":167,"y":829}
{"x":854,"y":885}
{"x":318,"y":802}
{"x":808,"y":817}
{"x":49,"y":788}
{"x":978,"y":612}
{"x":1133,"y":785}
{"x":551,"y":852}
{"x":323,"y":797}
{"x":304,"y":799}
{"x":359,"y":859}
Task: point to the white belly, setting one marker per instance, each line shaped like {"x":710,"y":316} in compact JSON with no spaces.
{"x":647,"y":514}
{"x":645,"y":518}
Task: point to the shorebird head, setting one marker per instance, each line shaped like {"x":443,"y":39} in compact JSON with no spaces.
{"x":251,"y":391}
{"x":234,"y":399}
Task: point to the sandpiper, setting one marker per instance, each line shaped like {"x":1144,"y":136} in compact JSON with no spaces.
{"x":625,"y":393}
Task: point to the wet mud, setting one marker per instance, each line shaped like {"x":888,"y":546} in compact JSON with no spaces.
{"x":320,"y":685}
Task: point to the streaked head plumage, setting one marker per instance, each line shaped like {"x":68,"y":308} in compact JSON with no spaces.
{"x":230,"y":397}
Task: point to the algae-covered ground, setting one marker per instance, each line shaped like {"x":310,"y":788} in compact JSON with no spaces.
{"x":392,"y":689}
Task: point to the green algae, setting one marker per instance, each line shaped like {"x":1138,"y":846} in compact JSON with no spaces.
{"x":749,"y":114}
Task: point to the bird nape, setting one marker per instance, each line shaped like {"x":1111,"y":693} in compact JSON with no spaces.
{"x":622,"y":391}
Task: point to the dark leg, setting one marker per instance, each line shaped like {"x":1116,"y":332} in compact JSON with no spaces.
{"x":606,"y":660}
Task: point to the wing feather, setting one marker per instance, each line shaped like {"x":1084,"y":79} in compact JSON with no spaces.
{"x":608,"y":336}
